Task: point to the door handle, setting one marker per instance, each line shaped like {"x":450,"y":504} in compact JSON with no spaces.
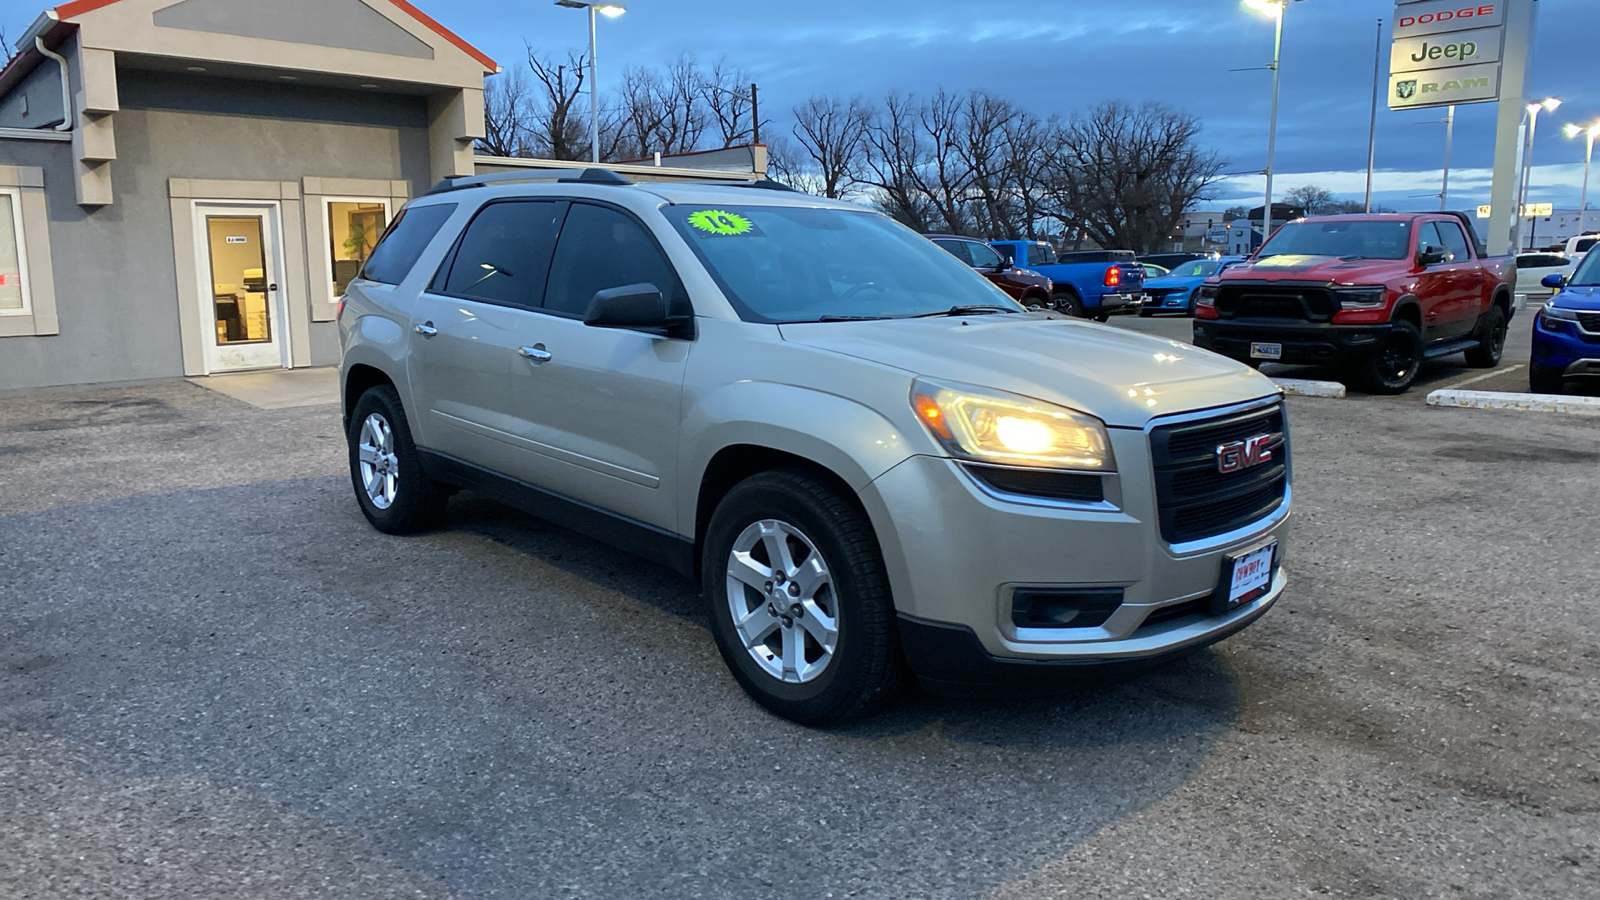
{"x":536,"y":354}
{"x":427,"y":330}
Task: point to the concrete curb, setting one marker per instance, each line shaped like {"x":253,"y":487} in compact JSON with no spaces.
{"x":1332,"y":390}
{"x":1550,"y":403}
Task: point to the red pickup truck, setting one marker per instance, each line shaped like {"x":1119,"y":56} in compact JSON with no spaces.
{"x":1374,"y":294}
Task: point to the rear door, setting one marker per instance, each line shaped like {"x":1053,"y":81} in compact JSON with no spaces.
{"x":466,"y":366}
{"x":605,"y":404}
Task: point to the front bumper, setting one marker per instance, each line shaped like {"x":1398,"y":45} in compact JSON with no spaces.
{"x":956,"y":553}
{"x":1304,"y":343}
{"x":1574,"y":351}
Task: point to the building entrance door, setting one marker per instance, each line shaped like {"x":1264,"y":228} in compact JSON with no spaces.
{"x":239,"y":278}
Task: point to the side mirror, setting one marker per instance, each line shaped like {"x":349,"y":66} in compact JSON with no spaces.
{"x":630,"y":306}
{"x":1430,"y":255}
{"x":1554,"y":280}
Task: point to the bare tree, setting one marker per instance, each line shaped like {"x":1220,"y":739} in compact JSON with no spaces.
{"x":1314,"y":200}
{"x":1125,"y":174}
{"x":894,"y":154}
{"x":945,"y":179}
{"x":833,"y":133}
{"x":507,"y":109}
{"x":557,"y":127}
{"x":728,"y":100}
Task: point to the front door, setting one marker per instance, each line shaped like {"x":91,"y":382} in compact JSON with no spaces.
{"x":242,"y":306}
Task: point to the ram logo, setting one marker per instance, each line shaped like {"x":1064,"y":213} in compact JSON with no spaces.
{"x":1245,"y":454}
{"x":1405,"y":90}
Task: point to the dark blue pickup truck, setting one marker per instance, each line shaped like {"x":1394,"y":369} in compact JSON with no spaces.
{"x":1093,"y":284}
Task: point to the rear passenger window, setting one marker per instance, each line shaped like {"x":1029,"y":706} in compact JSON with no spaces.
{"x":1454,"y":241}
{"x":405,"y":240}
{"x":504,"y":256}
{"x":600,"y":249}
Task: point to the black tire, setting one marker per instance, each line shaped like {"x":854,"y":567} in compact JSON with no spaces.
{"x":1069,"y":303}
{"x":866,"y":669}
{"x":417,"y":502}
{"x":1393,"y":366}
{"x":1146,"y":313}
{"x":1491,"y":334}
{"x":1102,"y":317}
{"x":1545,"y":379}
{"x":1037,"y":301}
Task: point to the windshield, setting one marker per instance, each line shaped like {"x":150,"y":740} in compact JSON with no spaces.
{"x":1362,"y":239}
{"x":783,"y":264}
{"x":1200,"y":269}
{"x":1588,"y":272}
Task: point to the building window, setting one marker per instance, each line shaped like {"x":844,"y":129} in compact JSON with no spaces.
{"x":14,"y":297}
{"x":354,"y":227}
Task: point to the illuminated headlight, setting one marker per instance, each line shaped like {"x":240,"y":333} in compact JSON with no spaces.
{"x":993,"y":426}
{"x":1362,"y":298}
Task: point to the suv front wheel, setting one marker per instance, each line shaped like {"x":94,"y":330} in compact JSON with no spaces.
{"x":799,"y":599}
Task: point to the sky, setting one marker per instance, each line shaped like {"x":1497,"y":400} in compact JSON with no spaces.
{"x":1058,"y":56}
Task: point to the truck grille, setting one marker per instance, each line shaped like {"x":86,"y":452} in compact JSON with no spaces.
{"x":1246,"y":301}
{"x":1194,"y":498}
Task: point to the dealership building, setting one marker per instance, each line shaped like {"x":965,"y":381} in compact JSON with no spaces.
{"x":187,"y":185}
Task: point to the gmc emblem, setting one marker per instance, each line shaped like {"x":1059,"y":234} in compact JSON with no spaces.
{"x":1245,"y":454}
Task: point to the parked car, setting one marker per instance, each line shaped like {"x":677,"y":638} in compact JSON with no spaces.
{"x":1566,"y":332}
{"x":1532,"y":269}
{"x":1170,"y":261}
{"x":1024,"y":285}
{"x":1176,"y":292}
{"x":874,"y":463}
{"x":1375,"y":294}
{"x":1578,"y":247}
{"x":1091,"y":284}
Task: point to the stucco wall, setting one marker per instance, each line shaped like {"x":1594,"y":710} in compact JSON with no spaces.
{"x":39,"y":94}
{"x":116,"y":281}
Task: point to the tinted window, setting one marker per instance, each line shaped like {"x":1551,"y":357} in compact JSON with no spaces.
{"x":1202,"y":269}
{"x":1454,"y":241}
{"x":1045,"y":255}
{"x":1007,"y":252}
{"x":1585,"y":245}
{"x":600,"y":249}
{"x":505,"y":255}
{"x":1540,"y":261}
{"x":405,"y":240}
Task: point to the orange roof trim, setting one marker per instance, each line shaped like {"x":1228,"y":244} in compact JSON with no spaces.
{"x":77,"y":8}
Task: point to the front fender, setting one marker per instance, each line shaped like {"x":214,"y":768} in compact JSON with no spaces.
{"x":850,"y":439}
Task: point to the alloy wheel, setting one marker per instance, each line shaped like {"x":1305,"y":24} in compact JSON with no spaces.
{"x":781,"y":597}
{"x":380,"y":467}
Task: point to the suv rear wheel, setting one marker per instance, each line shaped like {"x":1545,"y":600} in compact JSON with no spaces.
{"x":799,"y":599}
{"x":1393,"y":367}
{"x":396,"y":496}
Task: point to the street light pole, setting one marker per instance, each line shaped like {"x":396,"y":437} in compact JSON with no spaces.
{"x":1449,"y":138}
{"x":1272,"y":125}
{"x":1590,"y":133}
{"x":1372,"y":126}
{"x":611,"y":9}
{"x":1548,"y":103}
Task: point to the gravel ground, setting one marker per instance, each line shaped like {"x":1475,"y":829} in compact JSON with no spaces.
{"x":217,"y":681}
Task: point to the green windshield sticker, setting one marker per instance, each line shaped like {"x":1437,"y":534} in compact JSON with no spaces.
{"x":717,"y":221}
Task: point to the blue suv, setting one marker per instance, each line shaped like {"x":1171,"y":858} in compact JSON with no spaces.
{"x":1566,"y":333}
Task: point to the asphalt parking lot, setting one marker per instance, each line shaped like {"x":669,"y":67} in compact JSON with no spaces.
{"x":216,"y":681}
{"x":1448,"y":373}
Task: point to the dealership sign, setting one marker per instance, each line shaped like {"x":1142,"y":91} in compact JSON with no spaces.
{"x":1446,"y":53}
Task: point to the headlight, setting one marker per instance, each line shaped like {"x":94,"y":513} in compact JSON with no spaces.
{"x":993,"y":426}
{"x":1362,"y":298}
{"x":1207,"y":292}
{"x":1564,"y":315}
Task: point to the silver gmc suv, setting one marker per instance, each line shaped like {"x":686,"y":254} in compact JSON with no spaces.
{"x":875,"y":462}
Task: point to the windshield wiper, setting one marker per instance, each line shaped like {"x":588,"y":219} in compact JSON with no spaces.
{"x":973,"y":309}
{"x":852,"y":318}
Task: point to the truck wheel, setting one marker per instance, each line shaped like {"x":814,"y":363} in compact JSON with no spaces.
{"x":396,"y":496}
{"x":1037,"y":301}
{"x":799,"y":599}
{"x":1393,"y":367}
{"x":1069,"y":303}
{"x":1102,"y":317}
{"x":1545,"y":379}
{"x":1492,"y":335}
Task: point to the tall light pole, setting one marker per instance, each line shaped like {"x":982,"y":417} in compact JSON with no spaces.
{"x":1274,"y":9}
{"x":1449,"y":138}
{"x":1550,"y":104}
{"x":610,"y":10}
{"x":1372,"y":125}
{"x":1592,"y":132}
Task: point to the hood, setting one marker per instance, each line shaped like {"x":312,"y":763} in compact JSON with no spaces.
{"x":1125,"y":379}
{"x":1175,"y":282}
{"x":1583,"y":297}
{"x":1330,"y":269}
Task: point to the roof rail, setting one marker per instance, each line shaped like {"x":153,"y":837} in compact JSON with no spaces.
{"x":588,"y":175}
